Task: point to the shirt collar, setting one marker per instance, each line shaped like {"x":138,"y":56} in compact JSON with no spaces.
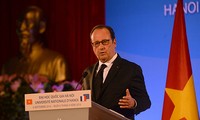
{"x":110,"y":61}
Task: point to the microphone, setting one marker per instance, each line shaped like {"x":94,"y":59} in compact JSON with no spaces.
{"x":83,"y":76}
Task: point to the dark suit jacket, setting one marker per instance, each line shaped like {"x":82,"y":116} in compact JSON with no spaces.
{"x":122,"y":75}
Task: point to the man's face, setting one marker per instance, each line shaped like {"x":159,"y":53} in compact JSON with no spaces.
{"x":28,"y":30}
{"x":103,"y":45}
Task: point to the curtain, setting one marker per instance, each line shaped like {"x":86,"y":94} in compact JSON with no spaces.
{"x":68,"y":27}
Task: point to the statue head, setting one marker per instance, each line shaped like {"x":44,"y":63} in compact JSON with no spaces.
{"x":31,"y":26}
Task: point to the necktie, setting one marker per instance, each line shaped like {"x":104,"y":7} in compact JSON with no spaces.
{"x":99,"y":81}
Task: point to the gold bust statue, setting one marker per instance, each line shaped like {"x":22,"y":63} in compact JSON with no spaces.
{"x":34,"y":58}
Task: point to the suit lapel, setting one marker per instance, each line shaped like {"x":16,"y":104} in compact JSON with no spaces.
{"x":111,"y":74}
{"x":93,"y":73}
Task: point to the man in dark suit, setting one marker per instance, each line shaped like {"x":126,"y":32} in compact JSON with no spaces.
{"x":122,"y":87}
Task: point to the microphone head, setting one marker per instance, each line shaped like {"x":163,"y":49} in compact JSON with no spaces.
{"x":84,"y":74}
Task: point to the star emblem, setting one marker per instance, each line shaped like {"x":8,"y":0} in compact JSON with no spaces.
{"x":184,"y":101}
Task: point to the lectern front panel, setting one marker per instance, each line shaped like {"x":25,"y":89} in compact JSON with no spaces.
{"x":65,"y":114}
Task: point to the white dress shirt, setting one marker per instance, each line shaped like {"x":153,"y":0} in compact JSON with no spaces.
{"x":109,"y":65}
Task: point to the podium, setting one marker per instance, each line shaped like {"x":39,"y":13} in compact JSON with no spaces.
{"x":98,"y":112}
{"x":72,"y":105}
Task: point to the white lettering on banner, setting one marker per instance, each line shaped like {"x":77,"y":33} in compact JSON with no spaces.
{"x":189,"y":8}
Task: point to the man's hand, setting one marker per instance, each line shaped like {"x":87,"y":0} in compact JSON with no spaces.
{"x":127,"y":101}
